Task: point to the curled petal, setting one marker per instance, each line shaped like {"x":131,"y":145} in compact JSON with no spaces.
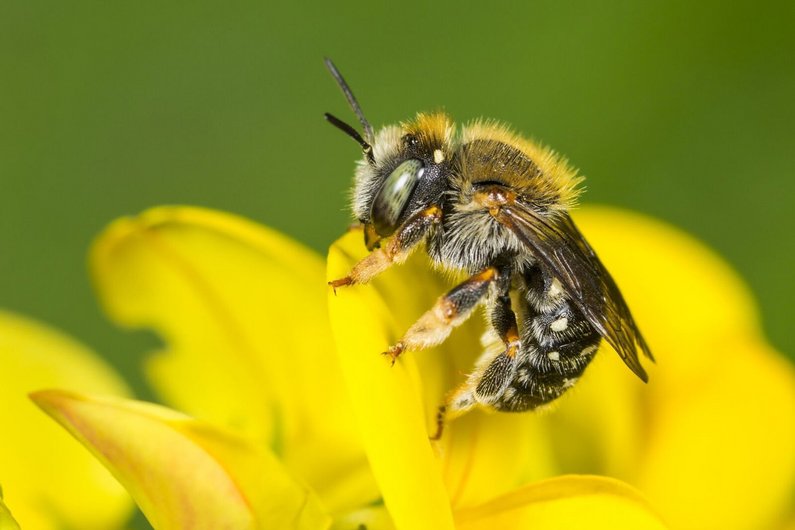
{"x":242,"y":310}
{"x":387,"y":402}
{"x":565,"y":502}
{"x":39,"y":463}
{"x":184,"y":473}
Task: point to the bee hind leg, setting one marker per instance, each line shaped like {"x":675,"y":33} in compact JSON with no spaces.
{"x":484,"y":387}
{"x":495,"y":369}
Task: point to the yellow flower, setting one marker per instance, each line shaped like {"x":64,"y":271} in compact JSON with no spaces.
{"x":250,"y":352}
{"x":49,"y":481}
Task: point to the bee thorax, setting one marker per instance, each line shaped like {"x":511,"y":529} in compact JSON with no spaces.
{"x":473,"y":240}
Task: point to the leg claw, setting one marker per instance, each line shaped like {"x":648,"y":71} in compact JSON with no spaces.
{"x":439,"y":424}
{"x":342,"y":282}
{"x":394,"y":352}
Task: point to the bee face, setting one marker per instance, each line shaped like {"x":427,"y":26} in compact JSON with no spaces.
{"x":407,"y":172}
{"x":491,"y":204}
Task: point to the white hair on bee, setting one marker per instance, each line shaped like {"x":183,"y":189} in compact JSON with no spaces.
{"x":470,"y":244}
{"x":366,"y":179}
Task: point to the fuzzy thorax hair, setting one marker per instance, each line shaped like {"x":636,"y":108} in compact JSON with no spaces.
{"x":481,"y":151}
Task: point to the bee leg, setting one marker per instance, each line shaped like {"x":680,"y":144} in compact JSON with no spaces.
{"x":494,"y":371}
{"x":484,"y":386}
{"x":399,"y":248}
{"x":503,"y":319}
{"x":449,"y":311}
{"x":440,"y":420}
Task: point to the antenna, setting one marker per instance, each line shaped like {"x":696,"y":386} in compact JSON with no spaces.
{"x":346,"y":90}
{"x":353,"y":133}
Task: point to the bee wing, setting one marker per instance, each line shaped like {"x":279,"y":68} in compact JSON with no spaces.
{"x":562,"y":250}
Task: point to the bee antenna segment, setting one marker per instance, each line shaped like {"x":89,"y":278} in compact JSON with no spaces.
{"x":346,"y":90}
{"x":353,"y":133}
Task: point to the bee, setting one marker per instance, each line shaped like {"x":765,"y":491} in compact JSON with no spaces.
{"x":495,"y":206}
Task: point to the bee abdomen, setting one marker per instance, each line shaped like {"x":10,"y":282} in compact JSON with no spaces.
{"x":557,"y":344}
{"x":543,"y":375}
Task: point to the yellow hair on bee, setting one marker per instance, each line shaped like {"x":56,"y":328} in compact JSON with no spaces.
{"x":549,"y":177}
{"x":433,"y":131}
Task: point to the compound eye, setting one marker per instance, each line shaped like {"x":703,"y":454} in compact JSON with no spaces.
{"x":393,"y":196}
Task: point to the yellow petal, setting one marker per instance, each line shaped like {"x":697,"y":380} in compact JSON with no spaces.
{"x":489,"y":454}
{"x":242,"y":310}
{"x":717,"y":414}
{"x":386,"y":401}
{"x":184,"y":473}
{"x":721,"y":456}
{"x":7,"y":521}
{"x":369,"y":518}
{"x":680,"y":292}
{"x":39,"y":463}
{"x":606,"y":408}
{"x":563,"y":503}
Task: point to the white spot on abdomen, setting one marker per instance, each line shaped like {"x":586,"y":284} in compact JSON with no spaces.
{"x":568,"y":383}
{"x":553,"y":356}
{"x":555,"y":289}
{"x":560,"y":324}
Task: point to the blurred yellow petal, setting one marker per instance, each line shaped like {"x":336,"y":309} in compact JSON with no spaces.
{"x":681,"y":293}
{"x":40,"y":465}
{"x":184,"y":473}
{"x":386,"y":401}
{"x":607,"y":409}
{"x":718,"y":412}
{"x":369,"y":518}
{"x":723,"y":455}
{"x":489,"y":454}
{"x":564,"y":503}
{"x":7,"y":521}
{"x":242,"y":310}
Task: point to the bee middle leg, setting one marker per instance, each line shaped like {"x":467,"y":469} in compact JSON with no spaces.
{"x":449,"y":311}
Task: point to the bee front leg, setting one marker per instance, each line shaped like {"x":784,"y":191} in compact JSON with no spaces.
{"x":397,"y":250}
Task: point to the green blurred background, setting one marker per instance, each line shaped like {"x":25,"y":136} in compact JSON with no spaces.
{"x":683,"y":110}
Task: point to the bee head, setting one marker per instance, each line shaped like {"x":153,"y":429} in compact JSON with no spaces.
{"x":407,"y":173}
{"x":404,"y":168}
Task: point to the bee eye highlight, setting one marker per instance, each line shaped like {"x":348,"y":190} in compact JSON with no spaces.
{"x":392,"y":197}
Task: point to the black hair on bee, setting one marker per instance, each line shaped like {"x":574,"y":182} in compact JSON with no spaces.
{"x":489,"y":203}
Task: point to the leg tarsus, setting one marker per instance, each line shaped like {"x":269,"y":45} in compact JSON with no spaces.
{"x":440,"y":413}
{"x":341,"y":282}
{"x":394,"y":351}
